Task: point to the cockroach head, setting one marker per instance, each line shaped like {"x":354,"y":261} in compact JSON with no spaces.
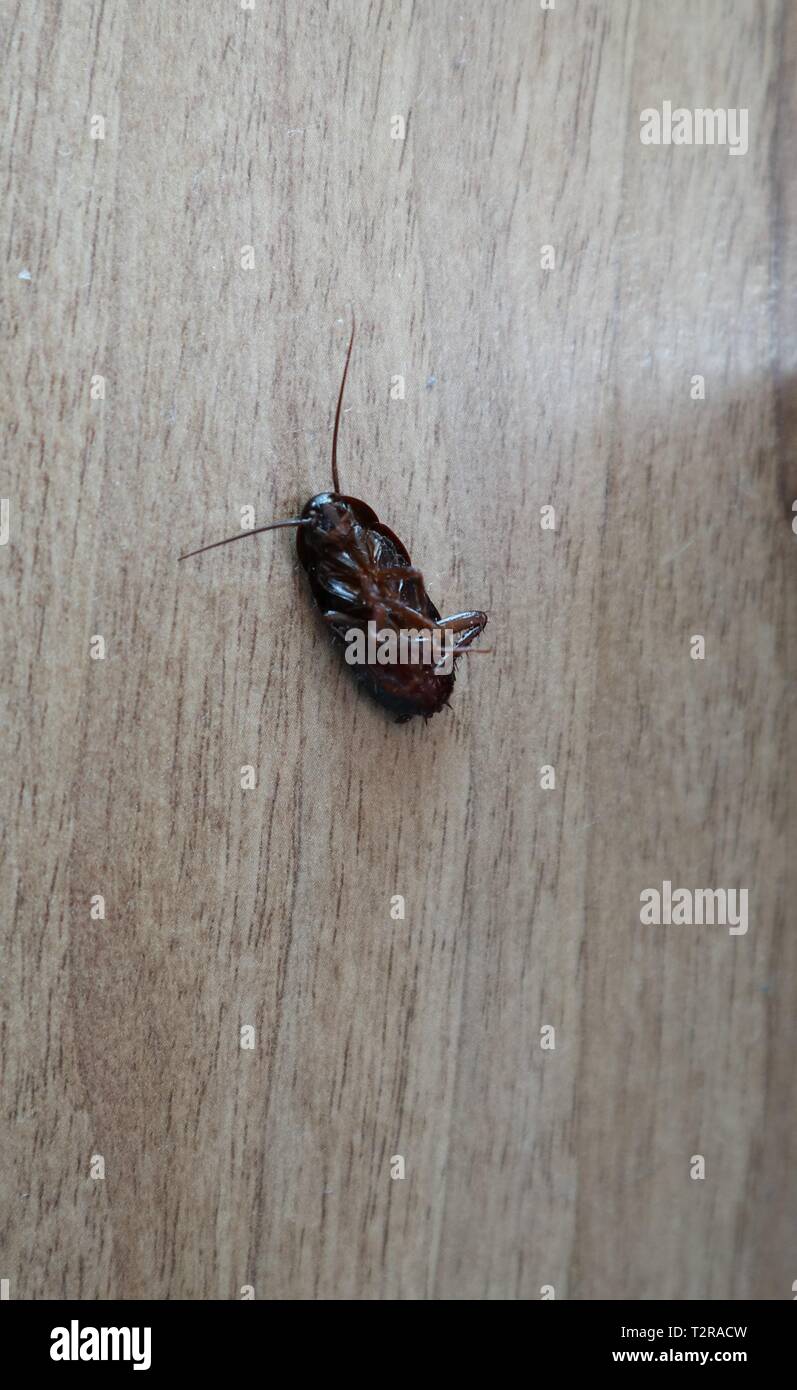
{"x":328,"y":512}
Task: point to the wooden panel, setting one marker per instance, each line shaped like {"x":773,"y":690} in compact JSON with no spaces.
{"x":525,"y":387}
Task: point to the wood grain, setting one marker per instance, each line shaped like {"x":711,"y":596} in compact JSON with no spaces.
{"x":525,"y":387}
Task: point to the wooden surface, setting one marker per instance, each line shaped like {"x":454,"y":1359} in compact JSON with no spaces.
{"x":525,"y":387}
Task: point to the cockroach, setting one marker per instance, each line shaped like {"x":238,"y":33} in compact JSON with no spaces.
{"x":360,"y":573}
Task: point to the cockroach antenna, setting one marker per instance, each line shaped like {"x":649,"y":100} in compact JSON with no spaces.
{"x":296,"y":521}
{"x":272,"y":526}
{"x":335,"y":478}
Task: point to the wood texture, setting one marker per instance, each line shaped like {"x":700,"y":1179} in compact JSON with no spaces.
{"x":525,"y":387}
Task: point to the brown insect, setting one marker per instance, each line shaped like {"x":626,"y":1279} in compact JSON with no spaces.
{"x":360,"y":573}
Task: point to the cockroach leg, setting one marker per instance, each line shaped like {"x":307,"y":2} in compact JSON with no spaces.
{"x":470,"y":625}
{"x":459,"y":622}
{"x":411,"y":616}
{"x":406,"y":573}
{"x":340,"y":623}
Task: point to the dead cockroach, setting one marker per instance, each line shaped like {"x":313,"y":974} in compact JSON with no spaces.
{"x":363,"y":580}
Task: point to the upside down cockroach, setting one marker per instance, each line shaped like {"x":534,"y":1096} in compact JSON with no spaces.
{"x":360,"y":573}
